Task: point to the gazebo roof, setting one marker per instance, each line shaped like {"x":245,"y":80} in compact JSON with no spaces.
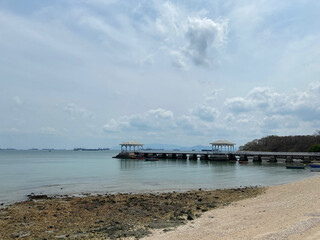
{"x":222,"y":142}
{"x":131,"y":144}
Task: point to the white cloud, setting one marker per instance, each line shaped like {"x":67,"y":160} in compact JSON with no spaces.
{"x":199,"y":40}
{"x":258,"y":99}
{"x":75,"y":110}
{"x":277,"y":122}
{"x":179,"y":59}
{"x":154,"y":119}
{"x":17,"y":100}
{"x":212,"y":95}
{"x":100,"y":3}
{"x":267,"y":111}
{"x":9,"y":130}
{"x":203,"y":34}
{"x":206,"y":113}
{"x":186,"y":122}
{"x":164,"y":122}
{"x":188,"y":37}
{"x":48,"y":131}
{"x":262,"y":111}
{"x":111,"y":127}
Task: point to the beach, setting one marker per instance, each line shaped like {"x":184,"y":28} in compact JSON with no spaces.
{"x":289,"y":211}
{"x":111,"y":216}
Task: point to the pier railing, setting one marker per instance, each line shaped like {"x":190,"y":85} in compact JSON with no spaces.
{"x":231,"y":156}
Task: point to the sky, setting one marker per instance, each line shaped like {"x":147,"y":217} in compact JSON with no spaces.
{"x":95,"y":73}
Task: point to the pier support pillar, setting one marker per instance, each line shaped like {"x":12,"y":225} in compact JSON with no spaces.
{"x":289,"y":159}
{"x":257,"y":159}
{"x":273,"y":159}
{"x":306,"y":160}
{"x":174,"y":155}
{"x":243,"y":158}
{"x":204,"y":156}
{"x":193,"y":156}
{"x":232,"y":157}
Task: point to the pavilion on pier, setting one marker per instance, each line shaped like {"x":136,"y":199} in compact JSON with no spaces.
{"x":223,"y":146}
{"x":130,"y":146}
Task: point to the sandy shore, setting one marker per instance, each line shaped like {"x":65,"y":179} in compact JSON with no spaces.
{"x":111,"y":216}
{"x":290,"y":211}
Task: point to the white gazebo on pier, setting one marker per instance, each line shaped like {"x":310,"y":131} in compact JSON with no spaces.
{"x":223,"y":146}
{"x":129,"y":146}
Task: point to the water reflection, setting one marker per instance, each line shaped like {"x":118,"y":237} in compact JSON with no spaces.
{"x":127,"y":164}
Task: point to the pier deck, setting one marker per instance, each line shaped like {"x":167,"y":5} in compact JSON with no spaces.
{"x":231,"y":156}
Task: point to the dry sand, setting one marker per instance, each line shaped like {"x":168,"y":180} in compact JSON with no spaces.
{"x":290,"y":211}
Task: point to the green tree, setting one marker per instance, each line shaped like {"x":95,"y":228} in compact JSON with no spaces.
{"x":299,"y":143}
{"x":314,"y":148}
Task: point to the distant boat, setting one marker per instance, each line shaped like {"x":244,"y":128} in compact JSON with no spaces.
{"x":137,"y":157}
{"x":241,"y":162}
{"x":295,"y":166}
{"x":315,"y":167}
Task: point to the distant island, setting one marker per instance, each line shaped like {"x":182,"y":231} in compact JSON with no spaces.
{"x":91,"y":149}
{"x":273,"y":143}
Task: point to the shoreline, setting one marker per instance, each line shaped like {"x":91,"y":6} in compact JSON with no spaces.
{"x":4,"y":204}
{"x":111,"y":215}
{"x":285,"y":211}
{"x":56,"y":194}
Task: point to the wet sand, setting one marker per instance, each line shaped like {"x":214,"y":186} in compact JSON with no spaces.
{"x":111,"y":216}
{"x":290,"y":211}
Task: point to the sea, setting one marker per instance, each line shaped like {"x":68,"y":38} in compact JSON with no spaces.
{"x":60,"y":172}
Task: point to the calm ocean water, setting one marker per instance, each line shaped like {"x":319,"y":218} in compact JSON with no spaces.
{"x":73,"y":172}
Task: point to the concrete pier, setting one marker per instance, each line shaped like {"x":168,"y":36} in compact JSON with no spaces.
{"x":306,"y":157}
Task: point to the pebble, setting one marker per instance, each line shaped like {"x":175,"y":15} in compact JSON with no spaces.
{"x":20,"y":234}
{"x":61,"y":237}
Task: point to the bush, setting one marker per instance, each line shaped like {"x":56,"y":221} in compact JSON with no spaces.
{"x":314,"y":148}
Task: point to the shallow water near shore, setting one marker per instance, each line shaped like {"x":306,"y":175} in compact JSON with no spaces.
{"x":73,"y":172}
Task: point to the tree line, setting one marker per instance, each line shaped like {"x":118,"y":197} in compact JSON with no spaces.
{"x":273,"y":143}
